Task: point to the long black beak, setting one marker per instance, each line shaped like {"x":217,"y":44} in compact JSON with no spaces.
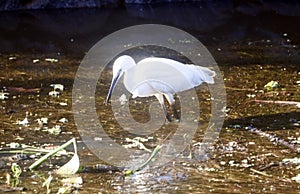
{"x":112,"y":86}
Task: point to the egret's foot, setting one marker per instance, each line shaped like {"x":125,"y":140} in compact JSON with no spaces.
{"x":177,"y":120}
{"x":168,"y":117}
{"x":176,"y":115}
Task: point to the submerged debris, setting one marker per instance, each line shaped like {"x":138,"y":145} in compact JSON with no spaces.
{"x":35,"y":60}
{"x":42,"y":121}
{"x":12,"y":58}
{"x":47,"y":182}
{"x":23,"y":90}
{"x":70,"y":184}
{"x":297,"y":104}
{"x":296,"y":178}
{"x":271,"y":85}
{"x":292,"y":160}
{"x":63,"y":120}
{"x":55,"y":152}
{"x":59,"y":87}
{"x":54,"y":93}
{"x":24,"y":122}
{"x":137,"y":142}
{"x":51,"y":60}
{"x":63,"y":104}
{"x":3,"y":95}
{"x":54,"y":130}
{"x":14,"y":145}
{"x":274,"y":139}
{"x":123,"y":99}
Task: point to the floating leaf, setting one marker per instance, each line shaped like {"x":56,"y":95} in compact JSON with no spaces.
{"x":271,"y":85}
{"x":52,"y":153}
{"x":72,"y":166}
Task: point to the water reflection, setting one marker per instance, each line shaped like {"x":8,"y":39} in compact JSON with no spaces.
{"x":219,"y":24}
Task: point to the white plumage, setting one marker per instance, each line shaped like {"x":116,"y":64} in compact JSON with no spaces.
{"x":158,"y":77}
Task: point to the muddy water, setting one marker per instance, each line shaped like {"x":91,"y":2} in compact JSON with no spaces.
{"x":239,"y":162}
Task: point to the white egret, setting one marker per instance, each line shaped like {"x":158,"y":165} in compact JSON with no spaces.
{"x":159,"y":77}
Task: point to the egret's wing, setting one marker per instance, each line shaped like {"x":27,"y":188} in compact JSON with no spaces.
{"x":165,"y":76}
{"x":195,"y":74}
{"x":150,"y":78}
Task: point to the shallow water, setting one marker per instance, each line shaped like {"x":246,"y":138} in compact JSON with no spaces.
{"x":250,"y":53}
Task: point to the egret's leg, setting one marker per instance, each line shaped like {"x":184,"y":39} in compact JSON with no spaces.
{"x":160,"y":98}
{"x":171,"y":100}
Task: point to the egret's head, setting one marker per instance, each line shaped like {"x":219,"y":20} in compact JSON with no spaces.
{"x":121,"y":65}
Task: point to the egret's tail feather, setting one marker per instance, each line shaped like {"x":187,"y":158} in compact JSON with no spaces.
{"x":207,"y":74}
{"x":202,"y":74}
